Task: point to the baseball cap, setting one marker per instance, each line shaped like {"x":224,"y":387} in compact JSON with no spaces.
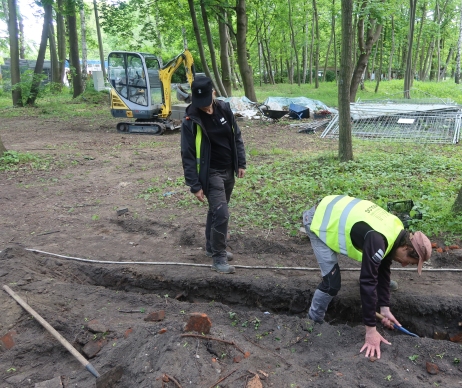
{"x":423,"y":247}
{"x":201,"y":91}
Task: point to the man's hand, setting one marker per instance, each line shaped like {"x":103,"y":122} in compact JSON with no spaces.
{"x":389,"y":319}
{"x":200,"y":195}
{"x":372,"y":342}
{"x":240,"y":173}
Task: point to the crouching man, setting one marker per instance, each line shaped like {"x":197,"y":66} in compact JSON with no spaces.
{"x":367,"y":233}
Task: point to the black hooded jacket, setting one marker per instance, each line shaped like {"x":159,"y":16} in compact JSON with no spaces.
{"x":195,"y":179}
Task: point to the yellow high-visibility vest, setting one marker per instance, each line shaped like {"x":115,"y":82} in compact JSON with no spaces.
{"x":336,"y":214}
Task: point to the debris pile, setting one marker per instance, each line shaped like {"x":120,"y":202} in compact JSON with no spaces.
{"x":420,"y":120}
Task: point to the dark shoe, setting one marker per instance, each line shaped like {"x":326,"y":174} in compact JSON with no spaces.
{"x":229,"y":255}
{"x":220,"y":264}
{"x":393,"y":285}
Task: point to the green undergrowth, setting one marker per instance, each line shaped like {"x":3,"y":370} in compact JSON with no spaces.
{"x":276,"y":191}
{"x":276,"y":194}
{"x":14,"y":161}
{"x":90,"y":104}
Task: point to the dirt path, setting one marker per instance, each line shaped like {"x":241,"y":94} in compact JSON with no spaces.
{"x":71,"y":209}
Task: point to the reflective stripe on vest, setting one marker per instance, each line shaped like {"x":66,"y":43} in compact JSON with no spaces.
{"x":337,"y":214}
{"x":198,"y":147}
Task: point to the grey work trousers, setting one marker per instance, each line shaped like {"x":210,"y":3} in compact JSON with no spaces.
{"x":327,"y":260}
{"x":221,"y":184}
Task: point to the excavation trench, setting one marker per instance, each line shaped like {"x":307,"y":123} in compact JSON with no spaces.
{"x":283,"y":292}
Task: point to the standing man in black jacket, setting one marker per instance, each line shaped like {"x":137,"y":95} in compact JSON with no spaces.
{"x":212,"y":152}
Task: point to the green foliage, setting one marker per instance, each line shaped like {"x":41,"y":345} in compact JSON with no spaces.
{"x":13,"y":161}
{"x":27,"y":79}
{"x":275,"y":194}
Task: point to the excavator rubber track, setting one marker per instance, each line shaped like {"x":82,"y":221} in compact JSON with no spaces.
{"x":146,"y":128}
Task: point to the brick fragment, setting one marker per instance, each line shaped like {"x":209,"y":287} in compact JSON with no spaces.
{"x":128,"y":332}
{"x":7,"y":341}
{"x":92,"y":348}
{"x":155,"y":316}
{"x":199,"y":322}
{"x":432,"y":368}
{"x":53,"y":383}
{"x":96,"y":327}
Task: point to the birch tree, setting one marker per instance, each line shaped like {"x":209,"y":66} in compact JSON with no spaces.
{"x":83,"y":38}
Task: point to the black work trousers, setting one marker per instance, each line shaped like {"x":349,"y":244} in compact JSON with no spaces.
{"x":221,"y":184}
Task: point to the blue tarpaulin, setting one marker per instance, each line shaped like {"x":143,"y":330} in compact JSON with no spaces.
{"x":298,"y":111}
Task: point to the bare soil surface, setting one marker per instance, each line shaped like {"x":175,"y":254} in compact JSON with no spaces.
{"x":95,"y":275}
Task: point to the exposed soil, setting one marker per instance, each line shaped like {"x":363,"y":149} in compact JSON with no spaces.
{"x":71,"y":210}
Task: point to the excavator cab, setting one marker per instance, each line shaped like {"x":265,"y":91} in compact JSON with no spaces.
{"x":141,"y":89}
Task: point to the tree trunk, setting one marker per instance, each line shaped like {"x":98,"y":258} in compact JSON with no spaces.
{"x":378,"y":75}
{"x":366,"y":41}
{"x":311,"y":52}
{"x":316,"y":53}
{"x":74,"y":51}
{"x":448,"y":59}
{"x":56,"y":81}
{"x":200,"y":46}
{"x":83,"y":37}
{"x":38,"y":71}
{"x":292,"y":41}
{"x":61,"y":40}
{"x":345,"y":147}
{"x":102,"y":59}
{"x":457,"y":206}
{"x":15,"y":72}
{"x":419,"y":37}
{"x":335,"y":41}
{"x":224,"y":59}
{"x":459,"y":49}
{"x":241,"y":37}
{"x":305,"y":50}
{"x":269,"y":59}
{"x":392,"y":49}
{"x":234,"y":76}
{"x":2,"y":148}
{"x":205,"y":19}
{"x":22,"y":40}
{"x":408,"y":76}
{"x":332,"y":32}
{"x":428,"y":60}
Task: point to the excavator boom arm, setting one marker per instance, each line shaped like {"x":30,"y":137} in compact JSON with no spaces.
{"x":165,"y":76}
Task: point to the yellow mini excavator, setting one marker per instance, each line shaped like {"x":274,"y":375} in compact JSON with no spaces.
{"x":141,"y":89}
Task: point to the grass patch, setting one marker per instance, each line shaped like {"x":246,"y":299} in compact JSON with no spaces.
{"x":328,"y":91}
{"x":14,"y":161}
{"x":275,"y":194}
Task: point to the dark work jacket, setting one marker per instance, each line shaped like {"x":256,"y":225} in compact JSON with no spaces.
{"x":195,"y":179}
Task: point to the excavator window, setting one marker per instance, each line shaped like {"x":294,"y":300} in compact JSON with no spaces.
{"x":152,"y":67}
{"x":136,"y":87}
